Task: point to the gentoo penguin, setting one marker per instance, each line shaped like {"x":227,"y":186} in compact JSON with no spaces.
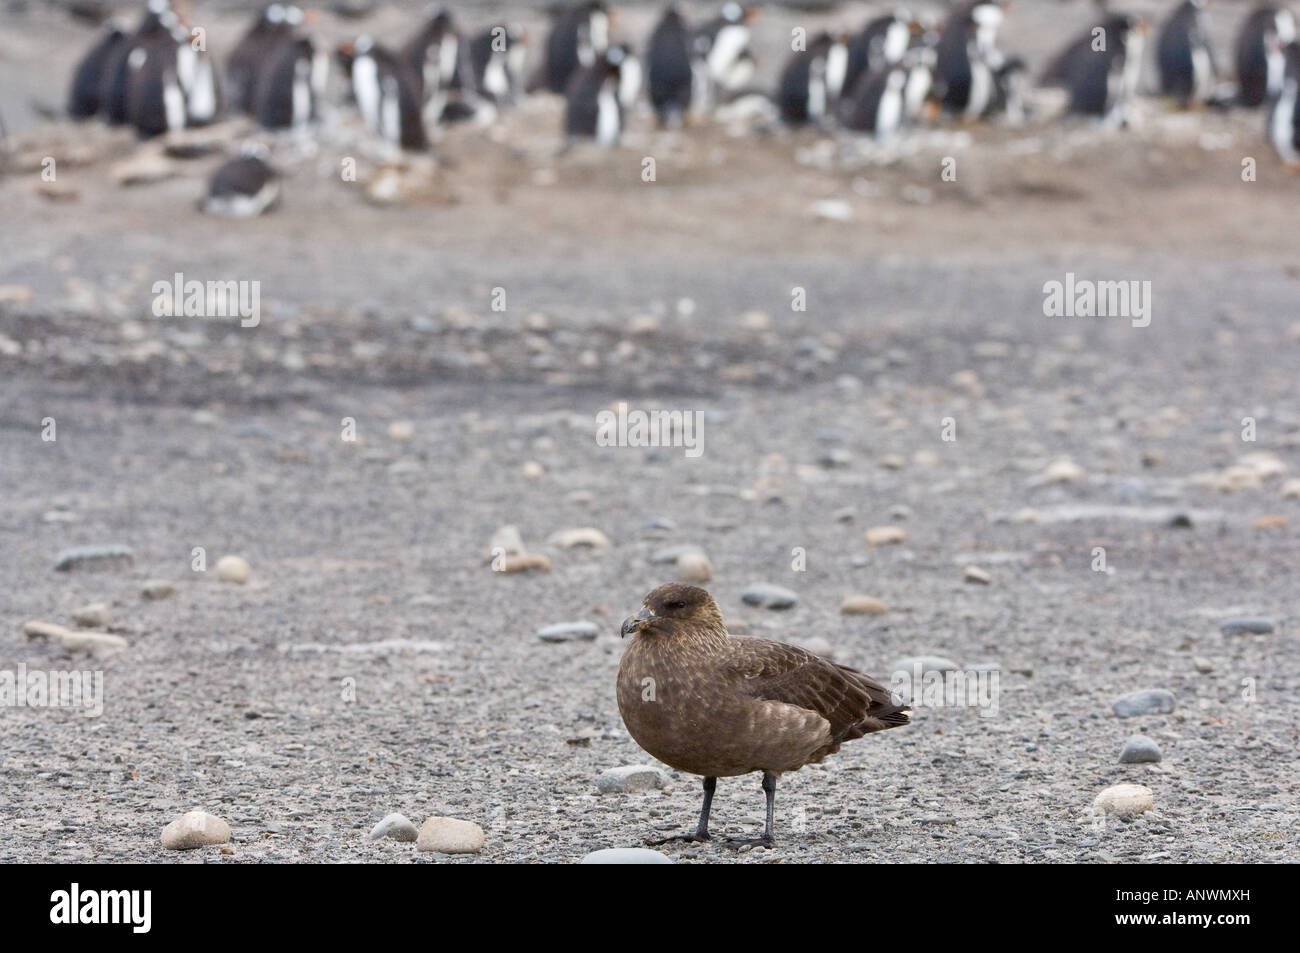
{"x":387,"y":93}
{"x":812,"y":80}
{"x":290,"y":85}
{"x":1184,"y":57}
{"x":597,"y":96}
{"x":578,"y":38}
{"x":243,"y":187}
{"x":670,"y":68}
{"x":198,"y":79}
{"x":881,"y":43}
{"x":878,"y":103}
{"x":968,"y":58}
{"x":434,"y":56}
{"x":1101,"y":79}
{"x":1260,"y":63}
{"x":155,"y":96}
{"x":87,"y":80}
{"x":496,"y":62}
{"x":156,"y":23}
{"x":273,"y":26}
{"x":723,"y":45}
{"x":1284,"y":112}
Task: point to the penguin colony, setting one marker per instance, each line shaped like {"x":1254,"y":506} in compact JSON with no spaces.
{"x":897,"y":71}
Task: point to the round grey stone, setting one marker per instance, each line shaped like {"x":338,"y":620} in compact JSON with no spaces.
{"x":1139,"y":749}
{"x":1155,"y":701}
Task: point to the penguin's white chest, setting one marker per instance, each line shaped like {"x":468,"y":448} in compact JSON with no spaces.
{"x":607,"y":117}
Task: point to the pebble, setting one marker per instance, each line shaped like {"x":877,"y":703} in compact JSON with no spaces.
{"x":862,"y":605}
{"x":1149,"y":702}
{"x":1125,"y":799}
{"x":448,"y":835}
{"x":626,"y":855}
{"x":1291,"y":488}
{"x":1246,"y":627}
{"x":1139,"y":749}
{"x":401,"y":431}
{"x":694,"y":567}
{"x":670,"y":554}
{"x":769,"y":597}
{"x":532,"y":470}
{"x":976,"y":575}
{"x":526,"y":562}
{"x":1203,"y":665}
{"x":893,"y":461}
{"x":630,"y":779}
{"x":94,"y":616}
{"x":885,"y":535}
{"x":110,"y":556}
{"x":232,"y":569}
{"x":195,"y":829}
{"x":568,"y":632}
{"x":157,"y":589}
{"x":836,"y":458}
{"x":1063,"y":470}
{"x":583,"y":536}
{"x":508,"y":540}
{"x":395,"y":827}
{"x":73,"y":640}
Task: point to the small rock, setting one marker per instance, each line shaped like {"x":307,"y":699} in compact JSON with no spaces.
{"x":1246,"y":627}
{"x":1125,"y":799}
{"x":976,"y":575}
{"x":584,"y":536}
{"x":630,"y":779}
{"x":394,"y":826}
{"x":1149,"y":702}
{"x":73,"y":640}
{"x":94,"y":616}
{"x":233,"y":569}
{"x":568,"y":631}
{"x":157,"y":589}
{"x":532,"y":470}
{"x":670,"y":554}
{"x":625,"y":855}
{"x":195,"y":829}
{"x":1291,"y":488}
{"x":1139,"y":749}
{"x":401,"y":431}
{"x":506,"y":540}
{"x":836,"y":458}
{"x":1203,"y":665}
{"x":885,"y":535}
{"x":448,"y":835}
{"x":1272,"y":521}
{"x":892,"y":461}
{"x":769,"y":597}
{"x":1063,"y":470}
{"x":862,"y":605}
{"x":526,"y":562}
{"x":110,"y":556}
{"x":694,"y":567}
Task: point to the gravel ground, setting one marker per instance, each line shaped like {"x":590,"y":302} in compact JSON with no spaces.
{"x":374,"y":662}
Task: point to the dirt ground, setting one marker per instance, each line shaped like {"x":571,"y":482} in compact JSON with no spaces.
{"x":374,"y":661}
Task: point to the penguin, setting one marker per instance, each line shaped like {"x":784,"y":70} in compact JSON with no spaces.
{"x":878,"y":102}
{"x":157,"y":22}
{"x":155,"y":97}
{"x":597,"y":97}
{"x":883,"y":42}
{"x":387,"y":92}
{"x":243,"y":187}
{"x":290,"y":85}
{"x":812,"y":81}
{"x":918,"y":93}
{"x":1284,"y":111}
{"x":1183,"y":54}
{"x":1261,"y":64}
{"x":496,"y":62}
{"x":434,"y":56}
{"x":670,"y":68}
{"x":198,"y":81}
{"x":87,"y":79}
{"x":579,"y":38}
{"x":723,"y":45}
{"x":274,"y":26}
{"x":1009,"y":82}
{"x":1101,"y":82}
{"x":967,"y":58}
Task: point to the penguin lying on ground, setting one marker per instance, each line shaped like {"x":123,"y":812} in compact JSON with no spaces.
{"x":243,"y":187}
